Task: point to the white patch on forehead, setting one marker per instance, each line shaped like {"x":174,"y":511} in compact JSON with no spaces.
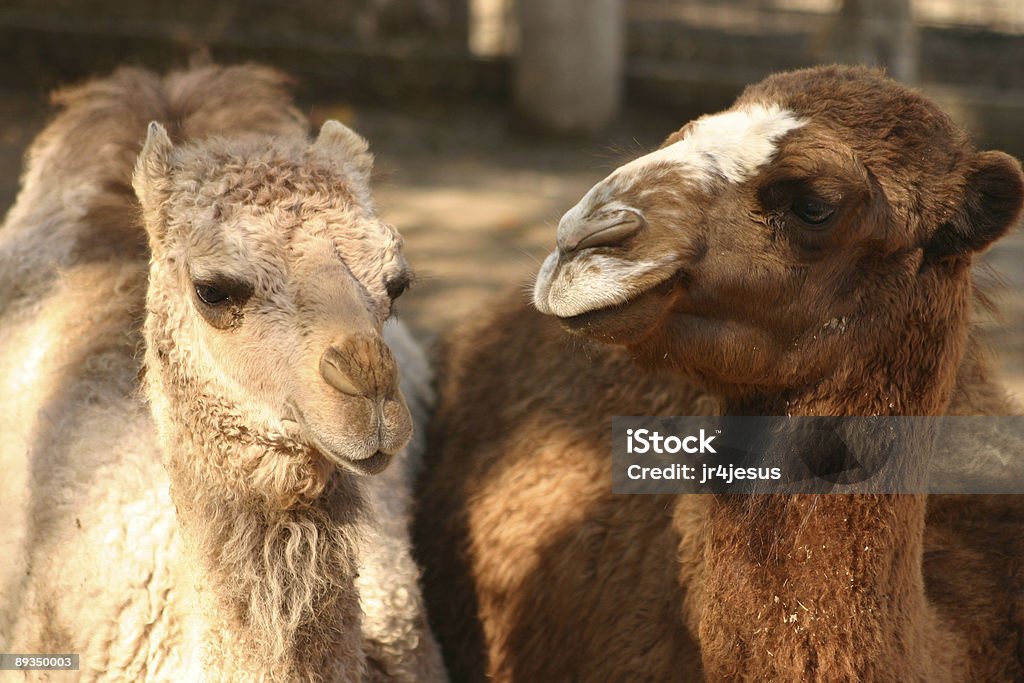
{"x":732,"y":145}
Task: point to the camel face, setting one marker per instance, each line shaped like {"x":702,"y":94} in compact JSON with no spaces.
{"x":271,"y":281}
{"x":761,"y":240}
{"x":589,"y":271}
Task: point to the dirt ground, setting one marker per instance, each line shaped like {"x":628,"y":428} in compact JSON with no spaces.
{"x":478,"y":202}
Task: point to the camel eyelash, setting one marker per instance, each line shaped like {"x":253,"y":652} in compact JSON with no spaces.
{"x":215,"y":291}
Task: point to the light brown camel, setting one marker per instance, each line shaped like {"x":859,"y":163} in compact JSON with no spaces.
{"x":225,"y":530}
{"x":806,"y":252}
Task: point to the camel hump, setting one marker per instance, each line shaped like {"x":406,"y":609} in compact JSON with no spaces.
{"x":76,"y":203}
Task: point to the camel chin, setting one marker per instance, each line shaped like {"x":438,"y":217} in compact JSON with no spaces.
{"x":627,"y":323}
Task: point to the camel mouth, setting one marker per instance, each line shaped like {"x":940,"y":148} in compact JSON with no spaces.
{"x":368,"y":466}
{"x":629,"y":320}
{"x":374,"y":463}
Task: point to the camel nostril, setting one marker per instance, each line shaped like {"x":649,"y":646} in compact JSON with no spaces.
{"x":331,"y":364}
{"x":603,"y":231}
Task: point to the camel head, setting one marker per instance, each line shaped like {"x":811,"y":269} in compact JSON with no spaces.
{"x":829,"y":214}
{"x":271,"y":279}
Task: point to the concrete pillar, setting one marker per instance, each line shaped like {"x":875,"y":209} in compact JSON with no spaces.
{"x":569,"y":70}
{"x":879,"y":33}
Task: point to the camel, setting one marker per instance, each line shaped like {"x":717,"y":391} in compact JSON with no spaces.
{"x":204,"y":414}
{"x":806,"y":252}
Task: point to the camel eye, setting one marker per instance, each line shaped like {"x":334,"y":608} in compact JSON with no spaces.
{"x":397,"y":286}
{"x":221,"y":300}
{"x":211,"y":294}
{"x":812,"y":211}
{"x":221,"y":290}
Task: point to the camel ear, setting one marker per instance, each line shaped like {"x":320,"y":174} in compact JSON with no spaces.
{"x":151,"y":180}
{"x":345,"y":146}
{"x":678,"y":135}
{"x":993,"y":197}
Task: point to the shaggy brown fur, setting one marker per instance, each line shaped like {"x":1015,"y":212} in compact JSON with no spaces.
{"x":545,"y":575}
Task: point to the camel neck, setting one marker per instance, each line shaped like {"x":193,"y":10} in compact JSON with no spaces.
{"x":789,"y":579}
{"x":276,"y":588}
{"x":270,"y":533}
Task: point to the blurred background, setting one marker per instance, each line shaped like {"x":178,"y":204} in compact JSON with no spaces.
{"x":490,"y":118}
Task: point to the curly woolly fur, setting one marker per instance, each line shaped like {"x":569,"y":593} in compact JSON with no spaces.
{"x":203,"y":536}
{"x":535,"y":571}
